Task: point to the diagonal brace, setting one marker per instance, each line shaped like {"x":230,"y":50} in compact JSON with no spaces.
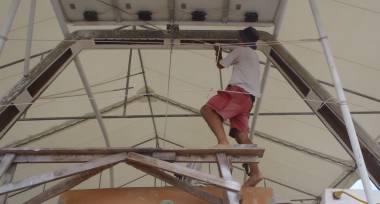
{"x":62,"y":173}
{"x":178,"y":183}
{"x":64,"y":185}
{"x":134,"y":158}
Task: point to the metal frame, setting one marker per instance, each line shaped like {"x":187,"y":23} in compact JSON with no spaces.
{"x":355,"y":146}
{"x":4,"y":30}
{"x":276,"y":31}
{"x":230,"y":36}
{"x":60,"y":16}
{"x":29,"y":38}
{"x":99,"y":39}
{"x":76,"y":121}
{"x":150,"y":160}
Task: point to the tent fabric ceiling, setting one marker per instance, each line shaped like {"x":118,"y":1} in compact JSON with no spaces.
{"x":353,"y":34}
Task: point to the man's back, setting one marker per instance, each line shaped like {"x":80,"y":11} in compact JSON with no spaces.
{"x":246,"y":69}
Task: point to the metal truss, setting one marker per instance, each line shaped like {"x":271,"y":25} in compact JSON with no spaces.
{"x":156,"y":162}
{"x":29,"y":89}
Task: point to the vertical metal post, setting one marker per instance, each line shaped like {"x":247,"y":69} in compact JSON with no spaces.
{"x":343,"y":103}
{"x":278,"y":24}
{"x":4,"y":30}
{"x":127,"y":82}
{"x":220,"y":79}
{"x":149,"y":101}
{"x":28,"y":48}
{"x":78,"y":64}
{"x":259,"y":99}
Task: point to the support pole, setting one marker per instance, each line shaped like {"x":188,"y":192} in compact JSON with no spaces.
{"x":29,"y":38}
{"x":102,"y":126}
{"x":278,"y":24}
{"x":259,"y":99}
{"x":343,"y":103}
{"x":91,"y":97}
{"x":8,"y":23}
{"x":5,"y":179}
{"x":147,"y":91}
{"x":127,"y":82}
{"x":220,"y":79}
{"x":78,"y":64}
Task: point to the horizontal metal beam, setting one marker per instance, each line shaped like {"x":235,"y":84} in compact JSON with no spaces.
{"x":351,"y":91}
{"x":68,"y":124}
{"x":179,"y":115}
{"x":357,"y":93}
{"x":80,"y":158}
{"x":23,"y":59}
{"x":251,"y":150}
{"x":164,"y":23}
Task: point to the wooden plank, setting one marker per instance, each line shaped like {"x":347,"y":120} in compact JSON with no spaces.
{"x":6,"y":161}
{"x":181,"y":170}
{"x":80,"y":158}
{"x":180,"y":184}
{"x":62,"y":173}
{"x":234,"y":150}
{"x":225,"y":172}
{"x":7,"y":178}
{"x":64,"y":185}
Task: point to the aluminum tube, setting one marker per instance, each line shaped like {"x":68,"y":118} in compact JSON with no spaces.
{"x":343,"y":103}
{"x":278,"y":24}
{"x":259,"y":99}
{"x":4,"y":30}
{"x":28,"y":48}
{"x":65,"y":30}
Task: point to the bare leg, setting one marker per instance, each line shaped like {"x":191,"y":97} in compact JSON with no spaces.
{"x":255,"y":174}
{"x":215,"y":123}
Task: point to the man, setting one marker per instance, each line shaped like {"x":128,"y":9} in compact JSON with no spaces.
{"x":236,"y":101}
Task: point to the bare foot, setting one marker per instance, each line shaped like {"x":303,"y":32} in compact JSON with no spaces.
{"x":253,"y":180}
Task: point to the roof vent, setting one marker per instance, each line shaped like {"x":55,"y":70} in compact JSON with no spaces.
{"x":145,"y":15}
{"x":251,"y":16}
{"x":90,"y":15}
{"x":198,"y":15}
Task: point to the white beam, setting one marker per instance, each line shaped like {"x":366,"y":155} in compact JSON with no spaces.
{"x":4,"y":30}
{"x":62,"y":173}
{"x":29,"y":38}
{"x":343,"y":103}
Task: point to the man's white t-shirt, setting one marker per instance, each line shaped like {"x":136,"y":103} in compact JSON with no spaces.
{"x":246,"y":69}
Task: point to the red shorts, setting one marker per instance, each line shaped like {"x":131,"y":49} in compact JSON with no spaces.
{"x":234,"y":105}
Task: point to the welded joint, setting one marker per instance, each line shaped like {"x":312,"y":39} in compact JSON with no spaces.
{"x":323,"y":38}
{"x":22,"y":101}
{"x":314,"y":101}
{"x":79,"y":45}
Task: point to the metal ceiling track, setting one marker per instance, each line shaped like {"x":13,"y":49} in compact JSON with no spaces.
{"x":315,"y":96}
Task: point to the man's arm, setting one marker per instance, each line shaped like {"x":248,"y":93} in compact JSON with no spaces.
{"x":230,"y":59}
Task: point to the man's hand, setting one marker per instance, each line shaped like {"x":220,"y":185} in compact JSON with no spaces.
{"x":217,"y":49}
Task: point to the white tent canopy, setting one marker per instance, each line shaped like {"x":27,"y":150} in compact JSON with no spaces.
{"x":301,"y":156}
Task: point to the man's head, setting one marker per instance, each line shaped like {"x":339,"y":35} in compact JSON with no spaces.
{"x":249,"y":35}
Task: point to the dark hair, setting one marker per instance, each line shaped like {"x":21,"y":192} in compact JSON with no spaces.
{"x":249,"y":35}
